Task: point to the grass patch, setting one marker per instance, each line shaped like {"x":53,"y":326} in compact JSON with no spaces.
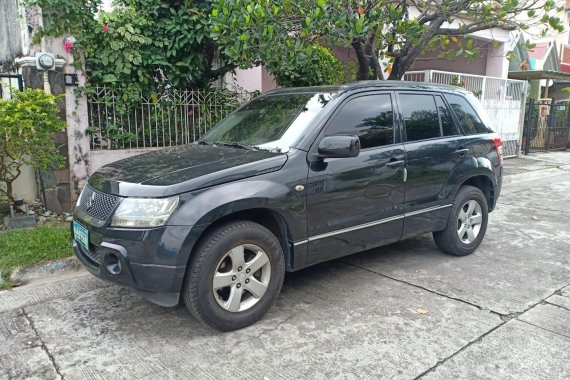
{"x":25,"y":247}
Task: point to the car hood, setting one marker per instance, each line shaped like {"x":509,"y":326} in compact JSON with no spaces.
{"x":181,"y":169}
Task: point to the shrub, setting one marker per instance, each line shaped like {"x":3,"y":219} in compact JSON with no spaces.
{"x":28,"y":122}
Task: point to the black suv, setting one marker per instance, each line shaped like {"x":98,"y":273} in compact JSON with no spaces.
{"x":292,"y":178}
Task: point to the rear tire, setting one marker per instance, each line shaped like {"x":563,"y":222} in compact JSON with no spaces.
{"x":235,"y":276}
{"x":467,"y":223}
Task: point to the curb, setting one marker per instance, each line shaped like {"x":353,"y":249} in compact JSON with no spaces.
{"x":38,"y":272}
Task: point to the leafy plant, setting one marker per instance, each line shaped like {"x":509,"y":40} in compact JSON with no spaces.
{"x":146,"y":46}
{"x":28,"y":122}
{"x":456,"y":81}
{"x":314,"y":66}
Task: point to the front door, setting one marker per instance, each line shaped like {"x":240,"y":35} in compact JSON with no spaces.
{"x":356,"y":203}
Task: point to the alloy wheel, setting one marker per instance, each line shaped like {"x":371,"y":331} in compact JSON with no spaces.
{"x":241,"y":277}
{"x":469,"y":221}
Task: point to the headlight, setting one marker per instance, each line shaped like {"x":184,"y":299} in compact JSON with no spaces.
{"x":144,"y":212}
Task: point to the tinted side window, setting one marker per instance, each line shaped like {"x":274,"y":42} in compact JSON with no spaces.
{"x":369,"y":117}
{"x":468,"y":118}
{"x":420,"y":116}
{"x":447,"y":126}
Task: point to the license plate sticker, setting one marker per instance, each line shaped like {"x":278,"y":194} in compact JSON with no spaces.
{"x":81,"y":235}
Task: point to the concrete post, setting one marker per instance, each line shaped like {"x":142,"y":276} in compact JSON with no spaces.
{"x":78,"y":150}
{"x":77,"y":138}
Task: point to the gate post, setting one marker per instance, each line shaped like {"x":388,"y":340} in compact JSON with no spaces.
{"x":550,"y":122}
{"x":521,"y":126}
{"x":528,"y":127}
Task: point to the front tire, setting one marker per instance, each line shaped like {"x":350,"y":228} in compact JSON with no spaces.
{"x":467,"y":223}
{"x":235,"y":276}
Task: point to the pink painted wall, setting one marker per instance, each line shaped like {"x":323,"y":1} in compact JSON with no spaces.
{"x":429,"y":61}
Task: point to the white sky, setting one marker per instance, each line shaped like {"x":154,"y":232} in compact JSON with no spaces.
{"x":107,"y":5}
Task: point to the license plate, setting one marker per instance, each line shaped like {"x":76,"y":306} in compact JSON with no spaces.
{"x":81,"y":235}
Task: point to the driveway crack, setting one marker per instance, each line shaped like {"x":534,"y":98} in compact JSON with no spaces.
{"x":42,"y":344}
{"x":543,"y":328}
{"x":554,"y":304}
{"x":505,"y":318}
{"x":424,"y":288}
{"x":469,"y":344}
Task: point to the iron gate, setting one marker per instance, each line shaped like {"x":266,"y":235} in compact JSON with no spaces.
{"x":547,"y":124}
{"x":10,"y":83}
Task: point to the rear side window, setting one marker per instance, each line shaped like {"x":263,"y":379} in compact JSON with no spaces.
{"x":447,"y":125}
{"x":420,"y":116}
{"x":470,"y":122}
{"x":369,"y":117}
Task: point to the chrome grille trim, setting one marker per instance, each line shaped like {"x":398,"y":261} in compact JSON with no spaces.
{"x":96,"y":204}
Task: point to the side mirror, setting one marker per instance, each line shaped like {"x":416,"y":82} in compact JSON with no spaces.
{"x":339,"y":147}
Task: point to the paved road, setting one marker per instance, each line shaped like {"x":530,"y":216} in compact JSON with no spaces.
{"x":502,"y":313}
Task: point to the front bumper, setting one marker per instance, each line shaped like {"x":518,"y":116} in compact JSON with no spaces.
{"x":149,"y":261}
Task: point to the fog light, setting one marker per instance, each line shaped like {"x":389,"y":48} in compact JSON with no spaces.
{"x":113,"y":264}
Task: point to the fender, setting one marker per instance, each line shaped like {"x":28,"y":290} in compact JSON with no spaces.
{"x":202,"y":208}
{"x":468,"y":168}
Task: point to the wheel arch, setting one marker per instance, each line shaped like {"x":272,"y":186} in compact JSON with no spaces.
{"x":484,"y":183}
{"x":270,"y":219}
{"x":478,"y":172}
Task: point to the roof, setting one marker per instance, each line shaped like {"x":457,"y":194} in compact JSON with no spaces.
{"x":540,"y":50}
{"x":386,"y":84}
{"x":538,"y":74}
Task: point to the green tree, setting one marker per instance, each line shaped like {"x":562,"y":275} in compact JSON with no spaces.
{"x":312,"y":66}
{"x":28,"y":122}
{"x":375,"y":29}
{"x":154,"y":44}
{"x":142,"y":46}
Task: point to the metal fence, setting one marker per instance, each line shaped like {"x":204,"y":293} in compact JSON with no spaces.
{"x":172,"y":118}
{"x":547,"y":126}
{"x":503,"y":100}
{"x":10,"y":83}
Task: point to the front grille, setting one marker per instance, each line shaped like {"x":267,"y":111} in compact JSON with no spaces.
{"x":96,"y":204}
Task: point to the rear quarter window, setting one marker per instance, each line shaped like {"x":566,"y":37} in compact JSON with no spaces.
{"x":469,"y":119}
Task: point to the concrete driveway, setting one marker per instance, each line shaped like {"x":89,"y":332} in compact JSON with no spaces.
{"x":405,"y":311}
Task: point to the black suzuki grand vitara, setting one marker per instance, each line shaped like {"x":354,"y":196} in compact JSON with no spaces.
{"x":292,"y":178}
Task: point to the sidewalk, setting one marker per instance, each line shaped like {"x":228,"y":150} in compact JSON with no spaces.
{"x":535,"y":166}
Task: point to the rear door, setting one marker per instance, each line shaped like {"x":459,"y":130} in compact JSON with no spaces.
{"x":431,"y":141}
{"x":357,"y":203}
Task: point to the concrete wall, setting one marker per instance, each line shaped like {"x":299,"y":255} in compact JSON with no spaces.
{"x":101,"y":158}
{"x":251,"y":80}
{"x":429,"y":61}
{"x":496,"y":63}
{"x":25,"y":185}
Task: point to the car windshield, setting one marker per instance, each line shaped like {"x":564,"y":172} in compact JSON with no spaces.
{"x":271,"y":122}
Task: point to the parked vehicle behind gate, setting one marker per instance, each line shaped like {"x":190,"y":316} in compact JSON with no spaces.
{"x":291,"y":179}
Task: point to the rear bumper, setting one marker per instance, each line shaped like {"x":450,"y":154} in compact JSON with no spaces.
{"x":497,"y":189}
{"x":116,"y":262}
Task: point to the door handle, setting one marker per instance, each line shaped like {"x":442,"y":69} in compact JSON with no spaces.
{"x":395,"y":164}
{"x":462,"y":151}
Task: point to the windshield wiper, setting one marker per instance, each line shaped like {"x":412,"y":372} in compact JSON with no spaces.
{"x":236,"y":144}
{"x":204,"y":142}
